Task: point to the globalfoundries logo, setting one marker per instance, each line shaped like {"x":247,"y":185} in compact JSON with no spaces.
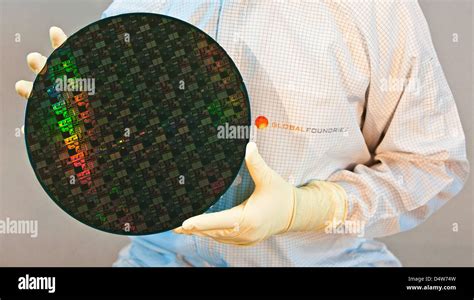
{"x":227,"y":131}
{"x":305,"y":129}
{"x":262,"y":122}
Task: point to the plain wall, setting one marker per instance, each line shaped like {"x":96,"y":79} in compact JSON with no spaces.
{"x":62,"y":241}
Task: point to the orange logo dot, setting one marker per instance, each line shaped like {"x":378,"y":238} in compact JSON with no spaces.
{"x":261,"y":122}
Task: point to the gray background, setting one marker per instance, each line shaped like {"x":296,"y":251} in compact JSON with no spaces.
{"x":63,"y":241}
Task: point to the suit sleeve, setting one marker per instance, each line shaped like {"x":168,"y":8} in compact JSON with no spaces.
{"x":411,"y":125}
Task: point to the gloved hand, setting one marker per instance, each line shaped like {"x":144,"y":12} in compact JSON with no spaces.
{"x":275,"y":207}
{"x":36,"y":61}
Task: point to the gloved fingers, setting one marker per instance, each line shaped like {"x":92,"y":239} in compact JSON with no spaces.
{"x":36,"y":61}
{"x":57,"y":36}
{"x":24,"y":88}
{"x":220,"y":235}
{"x":232,"y":238}
{"x":226,"y":236}
{"x":258,"y":168}
{"x":179,"y":230}
{"x":219,"y":220}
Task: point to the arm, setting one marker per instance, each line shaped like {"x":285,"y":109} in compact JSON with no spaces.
{"x":415,"y":135}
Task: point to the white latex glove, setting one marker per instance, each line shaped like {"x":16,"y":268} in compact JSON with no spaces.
{"x":36,"y":61}
{"x":274,"y":207}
